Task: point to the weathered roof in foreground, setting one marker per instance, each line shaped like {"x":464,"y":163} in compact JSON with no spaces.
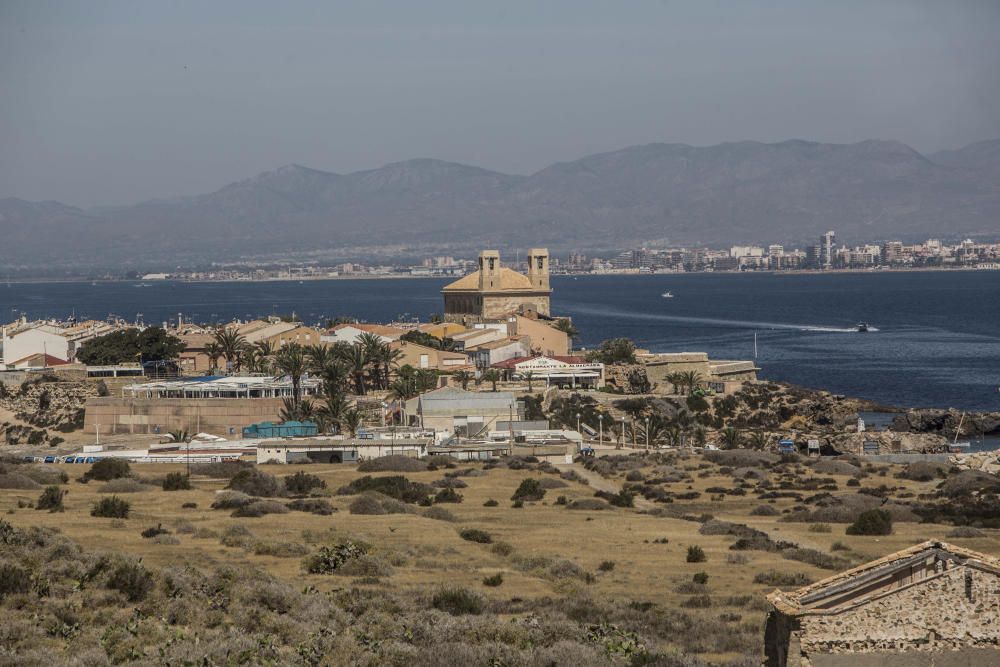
{"x":806,"y":599}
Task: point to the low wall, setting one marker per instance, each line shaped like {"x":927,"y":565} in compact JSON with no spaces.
{"x":906,"y":458}
{"x":224,"y":417}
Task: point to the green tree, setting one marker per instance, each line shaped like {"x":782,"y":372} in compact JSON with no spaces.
{"x":352,"y":421}
{"x":691,"y":380}
{"x":130,"y":345}
{"x":614,"y":351}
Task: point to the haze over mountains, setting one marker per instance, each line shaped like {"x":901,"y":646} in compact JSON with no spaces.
{"x":742,"y":192}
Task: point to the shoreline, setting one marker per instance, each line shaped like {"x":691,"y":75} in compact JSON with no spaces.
{"x":303,"y":279}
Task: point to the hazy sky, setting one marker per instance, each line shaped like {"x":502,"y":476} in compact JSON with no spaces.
{"x":116,"y":102}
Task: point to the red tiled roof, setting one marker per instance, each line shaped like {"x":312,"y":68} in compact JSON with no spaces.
{"x":49,"y":360}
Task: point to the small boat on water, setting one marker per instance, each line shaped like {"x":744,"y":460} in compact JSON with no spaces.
{"x":862,"y":327}
{"x":142,"y":285}
{"x":667,"y":295}
{"x":956,"y":447}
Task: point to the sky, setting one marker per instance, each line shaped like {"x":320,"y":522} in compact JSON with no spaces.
{"x":118,"y":102}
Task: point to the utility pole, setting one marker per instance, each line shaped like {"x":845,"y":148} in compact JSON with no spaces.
{"x":647,"y":432}
{"x":600,"y":422}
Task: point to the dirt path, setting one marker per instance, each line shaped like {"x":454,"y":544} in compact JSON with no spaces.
{"x":599,"y":483}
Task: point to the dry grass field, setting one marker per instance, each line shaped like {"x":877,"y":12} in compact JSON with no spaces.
{"x":547,"y":553}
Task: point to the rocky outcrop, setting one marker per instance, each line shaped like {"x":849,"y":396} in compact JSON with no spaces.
{"x":946,"y":422}
{"x":628,"y":378}
{"x":890,"y":442}
{"x":43,"y":405}
{"x":983,"y":461}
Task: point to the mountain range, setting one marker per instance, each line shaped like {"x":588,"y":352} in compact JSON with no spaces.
{"x":788,"y":192}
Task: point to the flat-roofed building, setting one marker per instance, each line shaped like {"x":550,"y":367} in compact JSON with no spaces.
{"x":563,"y":371}
{"x":466,"y":413}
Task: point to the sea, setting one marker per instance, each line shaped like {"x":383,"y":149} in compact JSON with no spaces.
{"x":933,"y":337}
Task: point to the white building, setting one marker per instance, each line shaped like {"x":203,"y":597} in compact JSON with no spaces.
{"x":555,"y":370}
{"x":34,"y":339}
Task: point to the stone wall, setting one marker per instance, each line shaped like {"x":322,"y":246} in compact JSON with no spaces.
{"x":224,"y":417}
{"x":955,"y":614}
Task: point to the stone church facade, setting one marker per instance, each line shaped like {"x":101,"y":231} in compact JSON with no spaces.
{"x":932,"y":604}
{"x":495,"y":291}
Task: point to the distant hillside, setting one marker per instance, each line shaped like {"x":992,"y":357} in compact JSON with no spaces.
{"x":735,"y":192}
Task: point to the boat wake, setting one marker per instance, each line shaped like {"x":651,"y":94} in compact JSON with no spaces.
{"x":733,"y":324}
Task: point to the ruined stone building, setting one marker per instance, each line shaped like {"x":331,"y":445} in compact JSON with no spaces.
{"x":495,"y":291}
{"x":932,"y":604}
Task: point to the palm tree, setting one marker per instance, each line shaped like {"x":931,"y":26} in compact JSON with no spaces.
{"x":565,"y":325}
{"x":231,"y":343}
{"x":677,"y":380}
{"x":213,"y":351}
{"x":352,"y":420}
{"x":251,"y":358}
{"x":331,"y":412}
{"x":699,"y":435}
{"x":758,"y":440}
{"x":265,"y":348}
{"x":653,"y":431}
{"x":372,"y":346}
{"x":730,"y":437}
{"x":357,"y":365}
{"x":492,"y":376}
{"x":528,"y":376}
{"x":672,"y":435}
{"x":291,"y":361}
{"x":463,"y":377}
{"x":180,"y":435}
{"x":691,"y":379}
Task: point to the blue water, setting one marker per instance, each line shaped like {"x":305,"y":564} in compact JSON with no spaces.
{"x":937,"y":342}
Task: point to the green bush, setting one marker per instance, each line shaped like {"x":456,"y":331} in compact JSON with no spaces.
{"x":530,"y":489}
{"x":606,"y":566}
{"x":51,"y":499}
{"x":457,"y":601}
{"x":176,"y":481}
{"x":700,"y":578}
{"x":872,"y":522}
{"x":111,"y":508}
{"x":106,"y":470}
{"x":490,"y":503}
{"x":302,"y":483}
{"x":476,"y":535}
{"x":820,"y":528}
{"x":696,"y":554}
{"x":493,"y":580}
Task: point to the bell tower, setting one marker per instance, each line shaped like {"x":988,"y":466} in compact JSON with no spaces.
{"x":538,"y":268}
{"x":489,"y":270}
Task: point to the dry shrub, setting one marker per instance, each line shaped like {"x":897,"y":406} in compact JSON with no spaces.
{"x":111,"y":508}
{"x":923,"y":471}
{"x":319,"y":506}
{"x":817,"y":558}
{"x":965,"y":532}
{"x":742,"y":458}
{"x":13,"y":480}
{"x":220,"y":470}
{"x":259,"y":508}
{"x":574,"y":476}
{"x":449,"y":483}
{"x":737,"y":558}
{"x":549,"y":483}
{"x":847,"y":508}
{"x":165,"y":540}
{"x":476,"y":535}
{"x":458,"y":601}
{"x":439,"y":514}
{"x":394,"y":486}
{"x":183,"y":526}
{"x":227,"y":500}
{"x":125,"y":485}
{"x":782,"y":579}
{"x":254,"y":482}
{"x":366,"y":504}
{"x":502,"y":548}
{"x":280,"y":549}
{"x":237,"y":536}
{"x":394,"y":463}
{"x":368,"y":565}
{"x":764,"y":510}
{"x":836,"y":467}
{"x":302,"y":483}
{"x":44,"y":474}
{"x":588,"y":504}
{"x":968,"y":482}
